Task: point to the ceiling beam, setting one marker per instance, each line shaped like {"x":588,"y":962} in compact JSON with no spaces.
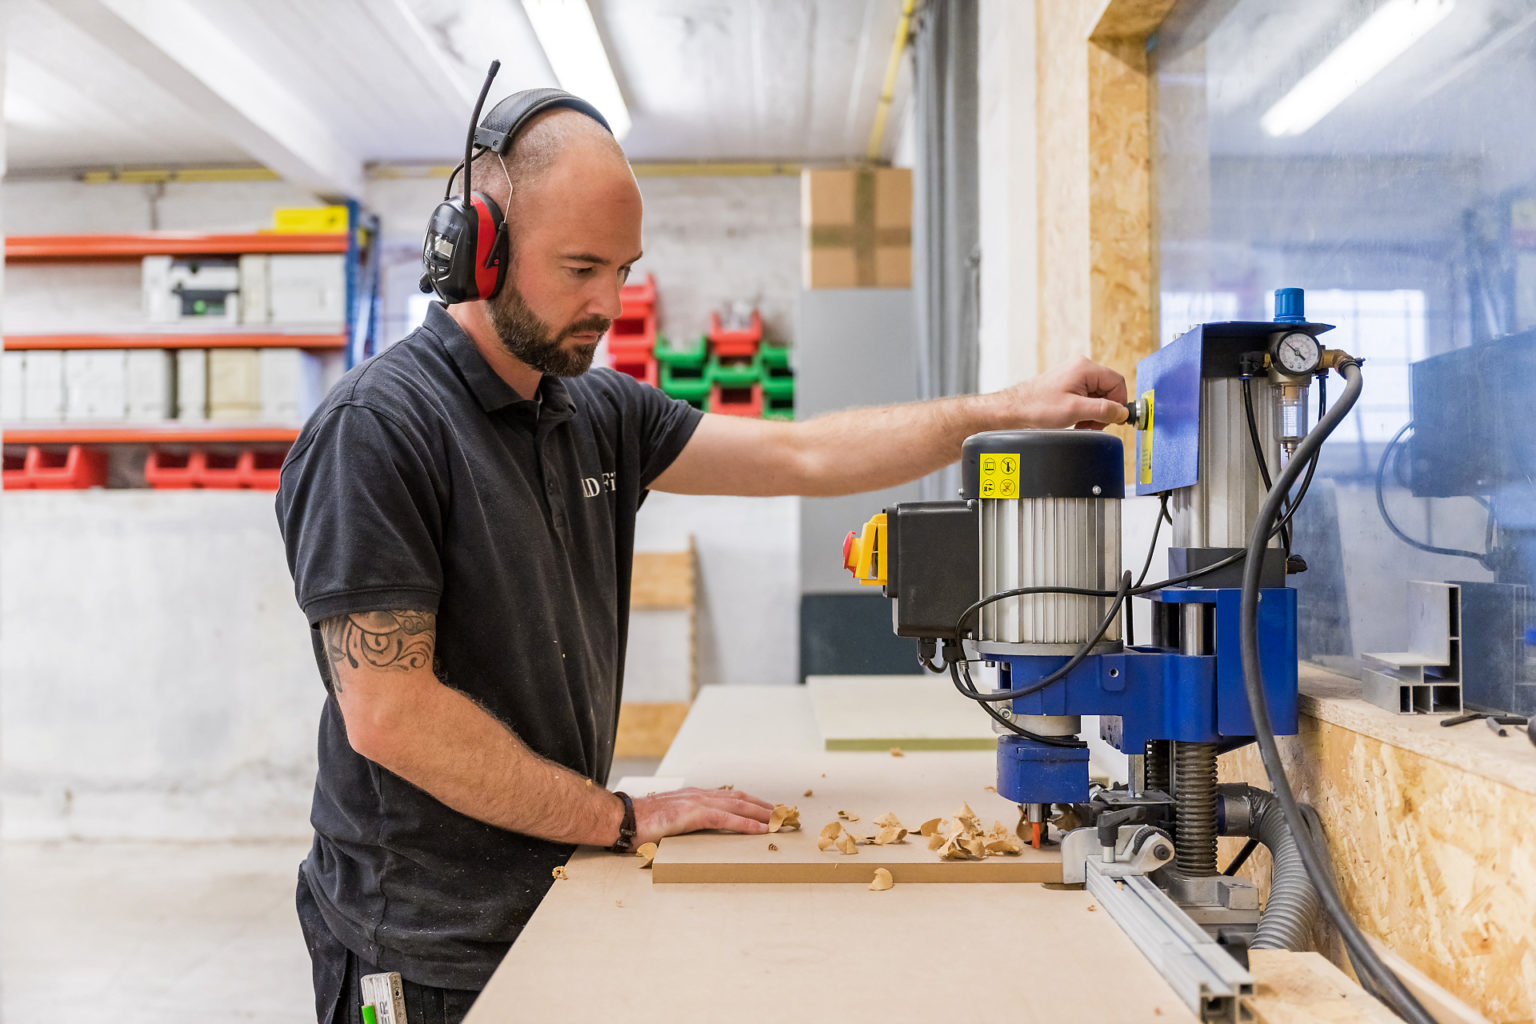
{"x":445,"y":80}
{"x":175,"y":45}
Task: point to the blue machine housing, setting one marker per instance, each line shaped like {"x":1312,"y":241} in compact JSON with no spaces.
{"x":1155,"y":693}
{"x":1151,"y":693}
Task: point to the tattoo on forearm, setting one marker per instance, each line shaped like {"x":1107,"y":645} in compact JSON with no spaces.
{"x":400,"y":640}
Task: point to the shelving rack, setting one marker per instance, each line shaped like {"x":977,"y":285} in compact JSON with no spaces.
{"x":359,"y":244}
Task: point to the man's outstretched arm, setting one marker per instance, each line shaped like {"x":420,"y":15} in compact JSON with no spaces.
{"x":400,"y":716}
{"x":867,"y":449}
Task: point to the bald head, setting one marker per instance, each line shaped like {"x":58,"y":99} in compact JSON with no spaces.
{"x":556,"y":137}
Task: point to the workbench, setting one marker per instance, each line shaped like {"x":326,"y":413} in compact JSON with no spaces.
{"x":608,"y":944}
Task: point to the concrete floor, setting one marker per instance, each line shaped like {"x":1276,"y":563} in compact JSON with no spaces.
{"x":138,"y":932}
{"x":162,"y":932}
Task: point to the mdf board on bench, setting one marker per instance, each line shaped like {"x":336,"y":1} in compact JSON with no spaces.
{"x":661,"y":663}
{"x":910,"y":712}
{"x":915,"y":787}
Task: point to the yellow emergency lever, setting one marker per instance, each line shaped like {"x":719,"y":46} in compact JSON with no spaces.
{"x":864,"y":553}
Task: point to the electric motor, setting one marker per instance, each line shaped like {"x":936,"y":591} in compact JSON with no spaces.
{"x":1049,"y":516}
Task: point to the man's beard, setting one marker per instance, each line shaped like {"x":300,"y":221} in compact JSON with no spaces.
{"x":534,"y":342}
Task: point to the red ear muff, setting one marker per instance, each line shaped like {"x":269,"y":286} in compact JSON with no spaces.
{"x":490,"y":246}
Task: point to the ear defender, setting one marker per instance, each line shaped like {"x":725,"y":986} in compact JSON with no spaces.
{"x":465,"y":251}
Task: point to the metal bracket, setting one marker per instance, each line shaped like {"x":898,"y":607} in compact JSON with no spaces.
{"x":1202,"y":974}
{"x":1139,"y":850}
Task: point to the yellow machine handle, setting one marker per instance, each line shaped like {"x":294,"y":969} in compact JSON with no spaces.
{"x":864,"y":553}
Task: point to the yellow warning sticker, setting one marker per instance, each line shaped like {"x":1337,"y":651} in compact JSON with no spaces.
{"x":999,"y":475}
{"x":1144,"y":435}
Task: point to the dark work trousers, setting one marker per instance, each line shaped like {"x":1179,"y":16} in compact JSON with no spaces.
{"x":339,"y":976}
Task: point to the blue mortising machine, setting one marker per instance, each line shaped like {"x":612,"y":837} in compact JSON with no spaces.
{"x":1024,"y":574}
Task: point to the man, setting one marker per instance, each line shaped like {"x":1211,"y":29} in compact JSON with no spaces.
{"x":470,"y":594}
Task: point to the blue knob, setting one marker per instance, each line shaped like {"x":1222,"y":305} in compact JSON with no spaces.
{"x":1290,"y":306}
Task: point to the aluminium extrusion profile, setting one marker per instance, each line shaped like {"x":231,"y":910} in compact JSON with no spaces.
{"x":1202,"y":974}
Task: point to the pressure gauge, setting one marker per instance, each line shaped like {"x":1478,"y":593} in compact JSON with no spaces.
{"x":1297,"y":354}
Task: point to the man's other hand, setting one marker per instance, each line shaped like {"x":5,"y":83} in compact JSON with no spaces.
{"x":1080,"y":393}
{"x":690,"y":810}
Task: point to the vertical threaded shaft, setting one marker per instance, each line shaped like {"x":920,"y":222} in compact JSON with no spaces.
{"x":1157,"y":765}
{"x":1194,"y":790}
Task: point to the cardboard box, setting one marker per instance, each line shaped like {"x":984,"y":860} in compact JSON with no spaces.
{"x":42,"y":397}
{"x":858,"y":227}
{"x":234,"y":384}
{"x":192,"y":384}
{"x":308,"y":291}
{"x":95,"y":385}
{"x":151,"y":385}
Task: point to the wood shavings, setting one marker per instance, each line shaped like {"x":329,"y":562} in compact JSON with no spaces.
{"x":990,"y":789}
{"x":890,"y":835}
{"x":888,"y":820}
{"x":807,"y":793}
{"x":726,"y":786}
{"x":774,"y":847}
{"x":828,"y":836}
{"x":965,"y":839}
{"x":846,"y":843}
{"x":846,"y":816}
{"x":898,"y":752}
{"x":883,"y":880}
{"x":1093,"y":906}
{"x":559,"y":874}
{"x":589,"y":782}
{"x":647,"y":853}
{"x":784,"y":818}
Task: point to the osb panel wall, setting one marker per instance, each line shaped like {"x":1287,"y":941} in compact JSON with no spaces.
{"x":1097,"y":290}
{"x":1436,"y":861}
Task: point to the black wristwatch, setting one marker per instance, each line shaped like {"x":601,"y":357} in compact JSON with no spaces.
{"x":626,"y":841}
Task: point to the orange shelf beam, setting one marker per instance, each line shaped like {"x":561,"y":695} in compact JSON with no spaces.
{"x":150,"y":434}
{"x":113,"y":247}
{"x":33,"y":342}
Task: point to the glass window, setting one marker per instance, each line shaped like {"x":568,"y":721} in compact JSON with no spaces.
{"x":1378,"y":154}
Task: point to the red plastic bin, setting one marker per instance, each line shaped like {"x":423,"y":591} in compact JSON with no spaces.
{"x":246,"y":470}
{"x":735,"y":343}
{"x":14,"y":477}
{"x":174,"y":471}
{"x":737,"y":401}
{"x":644,"y":368}
{"x":75,"y":468}
{"x":632,"y":339}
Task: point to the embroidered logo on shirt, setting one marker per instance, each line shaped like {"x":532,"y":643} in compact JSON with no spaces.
{"x":592,"y":486}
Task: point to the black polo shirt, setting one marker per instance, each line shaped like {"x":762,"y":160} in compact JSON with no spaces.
{"x":425,"y":482}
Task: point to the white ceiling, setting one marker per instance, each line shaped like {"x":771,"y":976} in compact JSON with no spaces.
{"x":318,"y":89}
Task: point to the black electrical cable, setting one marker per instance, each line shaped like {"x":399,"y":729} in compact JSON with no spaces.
{"x":999,"y":696}
{"x":1130,"y":618}
{"x":1392,"y":989}
{"x":1258,"y":456}
{"x":969,"y":690}
{"x":1241,"y":858}
{"x":1483,"y":559}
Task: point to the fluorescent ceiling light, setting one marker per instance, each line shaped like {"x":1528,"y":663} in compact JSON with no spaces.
{"x":1393,"y":28}
{"x":569,"y":36}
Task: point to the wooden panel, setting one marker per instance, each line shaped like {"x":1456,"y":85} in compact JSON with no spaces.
{"x":663,"y":579}
{"x":1097,"y":264}
{"x":787,"y":953}
{"x":1435,"y":860}
{"x":911,"y":712}
{"x":1303,"y":988}
{"x":915,"y":787}
{"x":647,"y":729}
